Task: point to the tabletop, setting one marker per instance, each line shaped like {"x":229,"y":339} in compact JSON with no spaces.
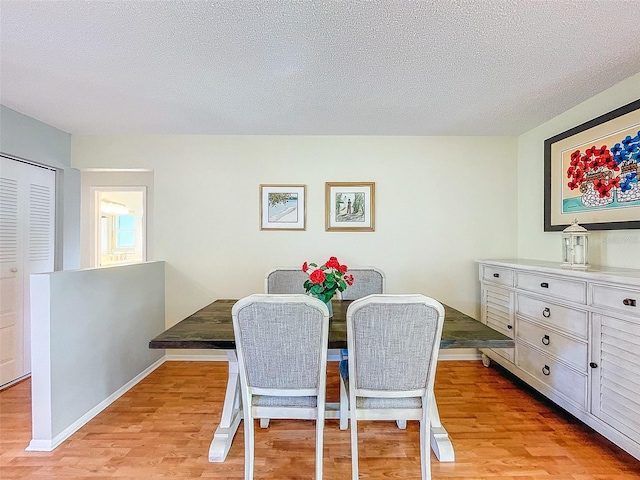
{"x":211,"y":328}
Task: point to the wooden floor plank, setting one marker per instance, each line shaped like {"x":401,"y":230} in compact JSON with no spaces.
{"x":163,"y":426}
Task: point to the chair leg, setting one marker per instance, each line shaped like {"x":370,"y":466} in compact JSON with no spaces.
{"x":354,"y":445}
{"x":344,"y":406}
{"x":402,"y":424}
{"x":425,"y":451}
{"x":248,"y":445}
{"x":319,"y":443}
{"x":264,"y":423}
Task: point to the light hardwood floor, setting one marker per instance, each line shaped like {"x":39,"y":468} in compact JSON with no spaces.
{"x":163,"y":426}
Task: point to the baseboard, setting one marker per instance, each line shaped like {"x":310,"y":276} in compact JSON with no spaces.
{"x":452,"y":354}
{"x":215,"y":356}
{"x":47,"y":445}
{"x":333,"y":355}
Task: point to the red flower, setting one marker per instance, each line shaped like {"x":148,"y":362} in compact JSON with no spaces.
{"x":333,"y":263}
{"x":327,"y":279}
{"x":317,"y":276}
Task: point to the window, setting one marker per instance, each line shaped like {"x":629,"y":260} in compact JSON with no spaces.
{"x":125,"y":231}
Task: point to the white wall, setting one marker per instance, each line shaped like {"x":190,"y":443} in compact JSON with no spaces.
{"x":29,"y":139}
{"x":90,"y":336}
{"x":441,"y":203}
{"x":618,"y":248}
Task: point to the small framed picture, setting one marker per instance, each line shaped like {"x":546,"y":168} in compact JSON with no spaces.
{"x":282,"y":207}
{"x":350,"y":206}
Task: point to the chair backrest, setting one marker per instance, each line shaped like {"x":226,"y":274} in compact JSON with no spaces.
{"x":393,"y":343}
{"x":285,"y":280}
{"x":366,"y":281}
{"x":281,"y":343}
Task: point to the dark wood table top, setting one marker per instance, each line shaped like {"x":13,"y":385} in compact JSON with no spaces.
{"x":211,"y":328}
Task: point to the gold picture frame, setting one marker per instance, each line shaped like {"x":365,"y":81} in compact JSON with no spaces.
{"x":283,"y":207}
{"x":350,"y":206}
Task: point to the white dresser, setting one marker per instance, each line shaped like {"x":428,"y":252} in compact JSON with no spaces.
{"x":577,"y":337}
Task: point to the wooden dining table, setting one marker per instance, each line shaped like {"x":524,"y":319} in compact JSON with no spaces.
{"x":211,"y":328}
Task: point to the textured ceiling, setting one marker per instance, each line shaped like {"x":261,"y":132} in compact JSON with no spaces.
{"x":308,"y":67}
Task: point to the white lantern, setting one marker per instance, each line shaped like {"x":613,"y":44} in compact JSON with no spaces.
{"x":575,"y":246}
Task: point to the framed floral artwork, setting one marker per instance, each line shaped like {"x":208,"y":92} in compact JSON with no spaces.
{"x":591,"y":173}
{"x":283,"y":207}
{"x":350,"y":206}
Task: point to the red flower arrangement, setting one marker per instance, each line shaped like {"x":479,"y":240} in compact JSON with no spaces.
{"x":326,"y":279}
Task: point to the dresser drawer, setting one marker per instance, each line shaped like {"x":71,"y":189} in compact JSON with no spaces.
{"x":571,"y":351}
{"x":622,"y":299}
{"x":557,"y":316}
{"x":572,"y":290}
{"x":568,"y":382}
{"x":497,"y":275}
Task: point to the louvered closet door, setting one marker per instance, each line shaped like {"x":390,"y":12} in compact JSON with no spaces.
{"x":27,"y":211}
{"x":39,"y":242}
{"x":615,"y":378}
{"x":11,"y":284}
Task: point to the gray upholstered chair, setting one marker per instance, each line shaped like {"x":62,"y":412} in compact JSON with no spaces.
{"x":393,"y":343}
{"x":273,"y":385}
{"x":366,"y":281}
{"x":285,"y":280}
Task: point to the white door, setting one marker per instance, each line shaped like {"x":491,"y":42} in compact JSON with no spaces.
{"x":27,"y":211}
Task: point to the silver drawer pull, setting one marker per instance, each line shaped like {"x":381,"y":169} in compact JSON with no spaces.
{"x":546,"y":313}
{"x":544,"y":285}
{"x":546,"y":370}
{"x":496,"y":275}
{"x":629,"y":302}
{"x":546,"y":340}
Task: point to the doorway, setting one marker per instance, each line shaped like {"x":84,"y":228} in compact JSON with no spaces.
{"x":119,"y":225}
